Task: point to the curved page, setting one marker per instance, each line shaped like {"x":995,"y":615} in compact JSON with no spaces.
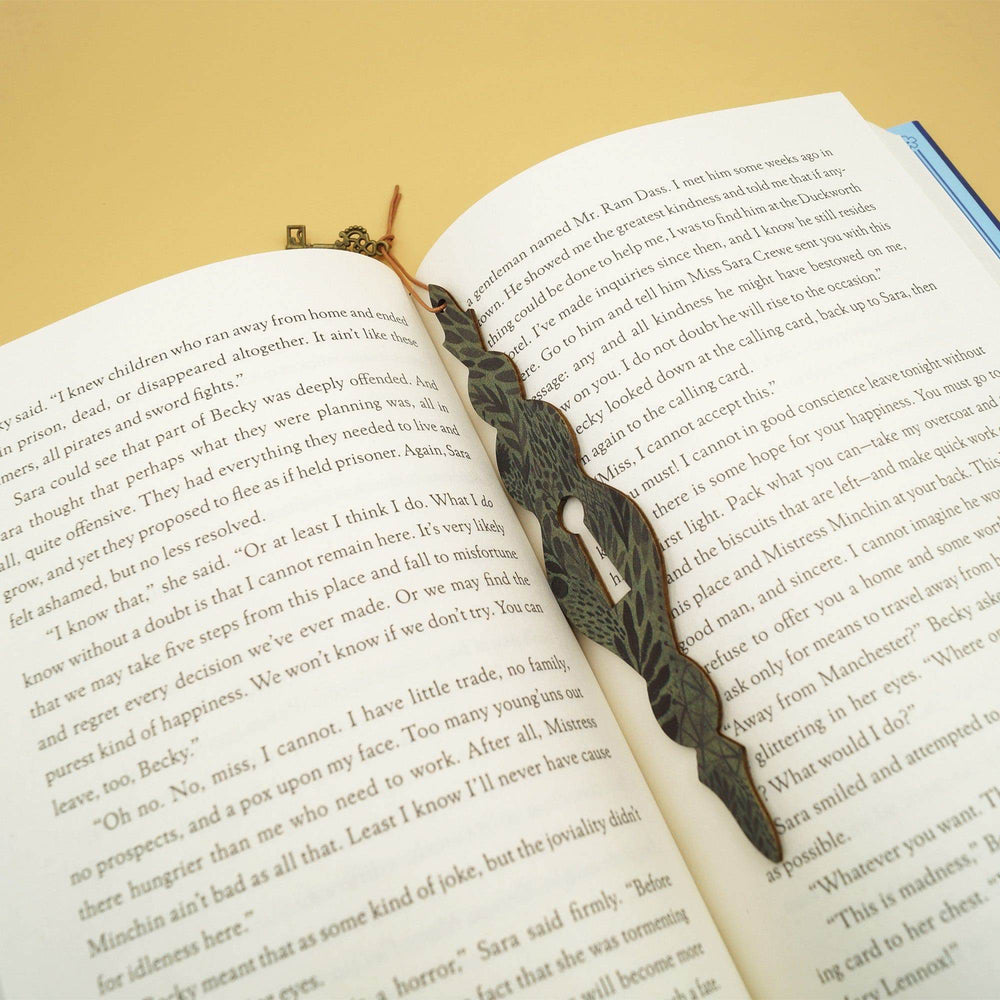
{"x":762,"y":329}
{"x":288,"y":707}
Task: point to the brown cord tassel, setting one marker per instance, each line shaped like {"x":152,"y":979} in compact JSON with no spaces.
{"x":384,"y":253}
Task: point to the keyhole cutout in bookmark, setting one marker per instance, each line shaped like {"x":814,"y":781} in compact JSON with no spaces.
{"x":572,"y":519}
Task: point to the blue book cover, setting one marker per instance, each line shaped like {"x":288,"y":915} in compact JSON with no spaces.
{"x":947,"y":175}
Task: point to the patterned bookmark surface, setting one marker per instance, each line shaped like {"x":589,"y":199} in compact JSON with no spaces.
{"x":539,"y":463}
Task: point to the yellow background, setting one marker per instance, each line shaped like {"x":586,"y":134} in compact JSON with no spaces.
{"x":144,"y":139}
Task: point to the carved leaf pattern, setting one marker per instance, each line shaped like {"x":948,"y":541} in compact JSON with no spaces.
{"x":539,"y":463}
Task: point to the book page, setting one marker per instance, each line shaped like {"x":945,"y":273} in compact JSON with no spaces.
{"x":763,"y":332}
{"x":289,"y":709}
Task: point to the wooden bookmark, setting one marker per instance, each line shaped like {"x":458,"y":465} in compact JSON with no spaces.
{"x":538,"y":458}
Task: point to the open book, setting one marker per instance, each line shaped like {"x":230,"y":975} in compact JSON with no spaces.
{"x":289,"y":707}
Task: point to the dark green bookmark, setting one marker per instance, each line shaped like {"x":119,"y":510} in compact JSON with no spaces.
{"x":539,"y":462}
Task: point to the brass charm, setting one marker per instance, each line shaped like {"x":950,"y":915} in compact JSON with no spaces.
{"x":354,"y":239}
